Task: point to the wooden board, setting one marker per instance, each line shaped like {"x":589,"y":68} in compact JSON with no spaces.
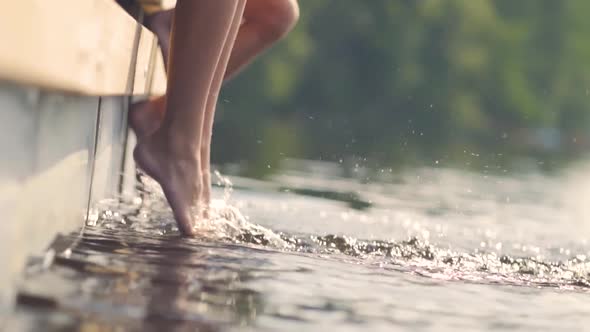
{"x":79,"y":46}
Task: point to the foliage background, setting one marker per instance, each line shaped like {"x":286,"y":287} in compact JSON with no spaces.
{"x":396,"y":83}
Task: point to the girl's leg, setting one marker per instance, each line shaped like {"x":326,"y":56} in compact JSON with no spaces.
{"x":265,"y":23}
{"x":146,"y":116}
{"x":159,"y":23}
{"x":172,"y":154}
{"x":212,"y":103}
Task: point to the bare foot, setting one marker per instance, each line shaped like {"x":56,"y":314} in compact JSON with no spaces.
{"x":145,"y":116}
{"x":206,"y":193}
{"x":206,"y":176}
{"x":179,"y":175}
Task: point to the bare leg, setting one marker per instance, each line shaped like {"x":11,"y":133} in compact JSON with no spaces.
{"x":146,"y":116}
{"x":212,"y":104}
{"x":160,"y":23}
{"x":172,"y":154}
{"x":265,"y":23}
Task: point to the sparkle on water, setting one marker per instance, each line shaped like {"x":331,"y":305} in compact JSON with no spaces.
{"x":434,"y":249}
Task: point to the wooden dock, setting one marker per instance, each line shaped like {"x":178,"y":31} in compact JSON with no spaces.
{"x":68,"y":70}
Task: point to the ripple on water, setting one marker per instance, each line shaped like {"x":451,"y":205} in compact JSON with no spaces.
{"x":132,"y":270}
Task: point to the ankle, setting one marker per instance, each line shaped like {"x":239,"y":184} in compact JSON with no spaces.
{"x":184,"y":153}
{"x":175,"y":145}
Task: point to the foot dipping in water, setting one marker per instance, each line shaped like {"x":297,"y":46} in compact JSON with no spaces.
{"x":174,"y":131}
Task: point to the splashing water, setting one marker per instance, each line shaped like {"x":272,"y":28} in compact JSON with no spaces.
{"x":227,"y":223}
{"x":151,"y":214}
{"x":438,"y":250}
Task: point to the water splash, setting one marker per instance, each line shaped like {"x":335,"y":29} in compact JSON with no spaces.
{"x":131,"y":264}
{"x":149,"y":213}
{"x":428,"y":260}
{"x":413,"y":255}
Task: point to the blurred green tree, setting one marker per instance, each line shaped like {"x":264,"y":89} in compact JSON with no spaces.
{"x":387,"y":82}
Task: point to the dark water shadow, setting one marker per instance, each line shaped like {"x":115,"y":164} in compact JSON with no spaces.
{"x":140,"y":283}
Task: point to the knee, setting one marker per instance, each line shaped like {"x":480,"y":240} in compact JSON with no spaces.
{"x":278,"y":19}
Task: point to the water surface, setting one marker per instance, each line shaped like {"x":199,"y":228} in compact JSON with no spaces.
{"x":428,"y":250}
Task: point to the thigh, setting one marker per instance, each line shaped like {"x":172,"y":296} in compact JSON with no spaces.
{"x":257,"y":8}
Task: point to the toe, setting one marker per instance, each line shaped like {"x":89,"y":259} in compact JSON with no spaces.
{"x":181,"y":208}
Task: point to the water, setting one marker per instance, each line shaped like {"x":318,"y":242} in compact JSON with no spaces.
{"x":428,"y":250}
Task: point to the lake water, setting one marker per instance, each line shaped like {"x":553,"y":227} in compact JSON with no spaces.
{"x":427,"y":250}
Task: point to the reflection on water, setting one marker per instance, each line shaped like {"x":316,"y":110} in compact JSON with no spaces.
{"x":438,"y":249}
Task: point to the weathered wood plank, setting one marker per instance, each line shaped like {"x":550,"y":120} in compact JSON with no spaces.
{"x":75,"y":46}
